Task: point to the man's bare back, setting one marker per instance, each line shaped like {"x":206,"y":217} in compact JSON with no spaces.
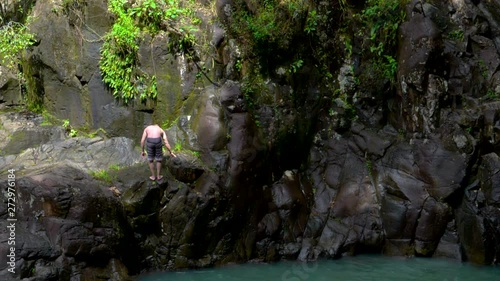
{"x":154,"y":131}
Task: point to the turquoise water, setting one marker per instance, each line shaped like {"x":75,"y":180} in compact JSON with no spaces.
{"x":359,"y":268}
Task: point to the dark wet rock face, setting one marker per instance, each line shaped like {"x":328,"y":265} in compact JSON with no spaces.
{"x":261,"y":182}
{"x":10,"y":90}
{"x":477,"y":216}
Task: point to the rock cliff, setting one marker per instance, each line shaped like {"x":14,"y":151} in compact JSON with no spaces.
{"x":295,"y":171}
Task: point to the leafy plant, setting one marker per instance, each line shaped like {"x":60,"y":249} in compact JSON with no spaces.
{"x":149,"y":13}
{"x":311,"y":21}
{"x":369,"y":166}
{"x":491,"y":94}
{"x":296,"y":65}
{"x":48,"y":119}
{"x":272,"y":24}
{"x":383,"y":18}
{"x":238,"y":65}
{"x":66,"y":125}
{"x":401,"y":134}
{"x":255,"y":91}
{"x":378,"y":22}
{"x":456,"y":35}
{"x":93,"y":134}
{"x":390,"y":66}
{"x":14,"y":38}
{"x":484,"y":69}
{"x":331,"y":112}
{"x":115,"y":167}
{"x":348,"y":47}
{"x":264,"y":25}
{"x":119,"y":53}
{"x":177,"y":146}
{"x":70,"y":130}
{"x":102,"y":175}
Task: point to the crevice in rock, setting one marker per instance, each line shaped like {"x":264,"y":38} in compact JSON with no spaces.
{"x":148,"y":110}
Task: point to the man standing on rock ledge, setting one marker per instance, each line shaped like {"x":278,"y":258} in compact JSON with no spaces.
{"x":152,"y":137}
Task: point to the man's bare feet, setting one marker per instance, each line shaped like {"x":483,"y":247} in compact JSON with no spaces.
{"x":152,"y":178}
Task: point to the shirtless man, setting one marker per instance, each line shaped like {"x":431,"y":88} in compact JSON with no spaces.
{"x":152,"y":137}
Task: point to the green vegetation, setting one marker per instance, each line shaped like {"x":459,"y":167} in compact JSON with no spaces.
{"x":14,"y":39}
{"x":268,"y":34}
{"x":484,"y":69}
{"x":383,"y":18}
{"x":73,"y":133}
{"x":491,"y":94}
{"x":255,"y":90}
{"x":272,"y":22}
{"x":114,"y":167}
{"x":369,"y":166}
{"x":373,"y":44}
{"x":389,"y":66}
{"x":401,"y":134}
{"x":48,"y":119}
{"x":93,"y":134}
{"x":119,"y":53}
{"x":107,"y":176}
{"x":66,"y":124}
{"x":102,"y":175}
{"x":178,"y":148}
{"x":261,"y":25}
{"x":280,"y":40}
{"x":311,"y":22}
{"x":69,"y":129}
{"x":295,"y":66}
{"x":380,"y":20}
{"x":456,"y":35}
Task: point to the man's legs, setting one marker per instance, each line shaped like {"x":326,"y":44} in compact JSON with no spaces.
{"x":155,"y":153}
{"x":158,"y":170}
{"x":158,"y":159}
{"x":151,"y":157}
{"x":152,"y":169}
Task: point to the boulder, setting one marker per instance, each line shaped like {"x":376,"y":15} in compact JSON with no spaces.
{"x":23,"y":130}
{"x":65,"y":216}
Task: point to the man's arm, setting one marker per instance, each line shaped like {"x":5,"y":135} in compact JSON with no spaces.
{"x":165,"y":140}
{"x":167,"y":145}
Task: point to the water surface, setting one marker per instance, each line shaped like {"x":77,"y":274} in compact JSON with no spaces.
{"x":362,"y":268}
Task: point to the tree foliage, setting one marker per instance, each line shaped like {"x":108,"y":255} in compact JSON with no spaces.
{"x":14,"y":38}
{"x":119,"y":61}
{"x":380,"y":20}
